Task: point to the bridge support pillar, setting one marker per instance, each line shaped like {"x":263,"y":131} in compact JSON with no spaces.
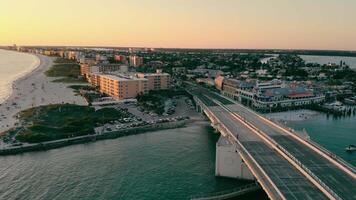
{"x":229,"y":163}
{"x":198,"y":108}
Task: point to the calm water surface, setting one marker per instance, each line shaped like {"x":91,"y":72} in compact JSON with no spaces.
{"x":351,"y":61}
{"x":333,"y":134}
{"x":170,"y":164}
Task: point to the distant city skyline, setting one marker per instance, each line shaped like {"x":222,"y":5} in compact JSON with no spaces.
{"x":233,"y":24}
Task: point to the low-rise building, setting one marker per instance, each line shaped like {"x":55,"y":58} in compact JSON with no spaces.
{"x":270,"y":95}
{"x":206,"y":81}
{"x":120,"y":58}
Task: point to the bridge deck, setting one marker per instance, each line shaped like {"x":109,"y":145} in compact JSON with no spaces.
{"x":290,"y":181}
{"x":335,"y":178}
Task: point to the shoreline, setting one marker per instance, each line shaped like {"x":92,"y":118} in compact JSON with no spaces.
{"x":55,"y":144}
{"x":21,"y":75}
{"x":35,"y":89}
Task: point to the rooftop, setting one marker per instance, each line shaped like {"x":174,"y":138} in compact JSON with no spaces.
{"x":122,"y":77}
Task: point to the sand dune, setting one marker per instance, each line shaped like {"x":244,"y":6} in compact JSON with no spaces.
{"x":33,"y":90}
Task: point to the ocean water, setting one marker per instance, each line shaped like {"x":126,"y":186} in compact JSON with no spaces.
{"x":14,"y":65}
{"x":333,"y":134}
{"x":169,"y":164}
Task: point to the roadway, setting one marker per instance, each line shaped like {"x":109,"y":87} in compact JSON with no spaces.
{"x":287,"y":179}
{"x":336,"y":179}
{"x":291,"y":183}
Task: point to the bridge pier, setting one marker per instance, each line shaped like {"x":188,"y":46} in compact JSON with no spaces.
{"x":228,"y":161}
{"x":198,"y":108}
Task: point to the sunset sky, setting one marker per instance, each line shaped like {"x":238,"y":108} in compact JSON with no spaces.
{"x":301,"y":24}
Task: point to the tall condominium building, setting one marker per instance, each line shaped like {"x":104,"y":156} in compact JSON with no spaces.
{"x":122,"y":87}
{"x":136,"y":61}
{"x":156,"y":81}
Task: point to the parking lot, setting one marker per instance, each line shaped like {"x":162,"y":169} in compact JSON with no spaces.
{"x":180,"y":109}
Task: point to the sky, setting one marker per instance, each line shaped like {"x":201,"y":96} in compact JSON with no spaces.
{"x":272,"y":24}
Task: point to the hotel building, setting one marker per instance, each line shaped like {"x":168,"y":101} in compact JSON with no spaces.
{"x":156,"y":81}
{"x":122,"y":87}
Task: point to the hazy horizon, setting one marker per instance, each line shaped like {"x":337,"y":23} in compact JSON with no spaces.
{"x":197,"y":24}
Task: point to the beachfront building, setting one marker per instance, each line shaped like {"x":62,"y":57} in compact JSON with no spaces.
{"x":87,"y":70}
{"x":270,"y":95}
{"x":122,"y":87}
{"x":156,"y":81}
{"x":136,"y":61}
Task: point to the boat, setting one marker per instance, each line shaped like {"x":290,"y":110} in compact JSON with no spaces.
{"x":351,"y":148}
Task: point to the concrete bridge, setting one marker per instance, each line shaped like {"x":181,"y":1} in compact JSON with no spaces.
{"x":286,"y":165}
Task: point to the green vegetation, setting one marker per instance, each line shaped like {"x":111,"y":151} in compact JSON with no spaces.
{"x":91,"y":97}
{"x":63,"y":61}
{"x":155,"y":100}
{"x":67,"y":71}
{"x":54,"y":122}
{"x":64,"y":70}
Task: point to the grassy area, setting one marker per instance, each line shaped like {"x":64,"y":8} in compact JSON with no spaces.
{"x":63,"y":61}
{"x":54,"y":122}
{"x":64,"y":70}
{"x":88,"y":92}
{"x":155,"y":100}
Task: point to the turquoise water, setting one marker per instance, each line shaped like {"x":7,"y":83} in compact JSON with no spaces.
{"x":170,"y":164}
{"x":333,"y":134}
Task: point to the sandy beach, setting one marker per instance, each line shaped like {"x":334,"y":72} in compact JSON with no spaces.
{"x":35,"y":89}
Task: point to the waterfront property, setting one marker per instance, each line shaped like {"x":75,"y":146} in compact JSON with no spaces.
{"x":122,"y":87}
{"x":128,"y":85}
{"x":270,"y":95}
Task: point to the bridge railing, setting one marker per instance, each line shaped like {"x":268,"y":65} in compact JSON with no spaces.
{"x":256,"y":169}
{"x":312,"y":143}
{"x":316,"y":178}
{"x":261,"y":175}
{"x":289,"y":155}
{"x":318,"y":146}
